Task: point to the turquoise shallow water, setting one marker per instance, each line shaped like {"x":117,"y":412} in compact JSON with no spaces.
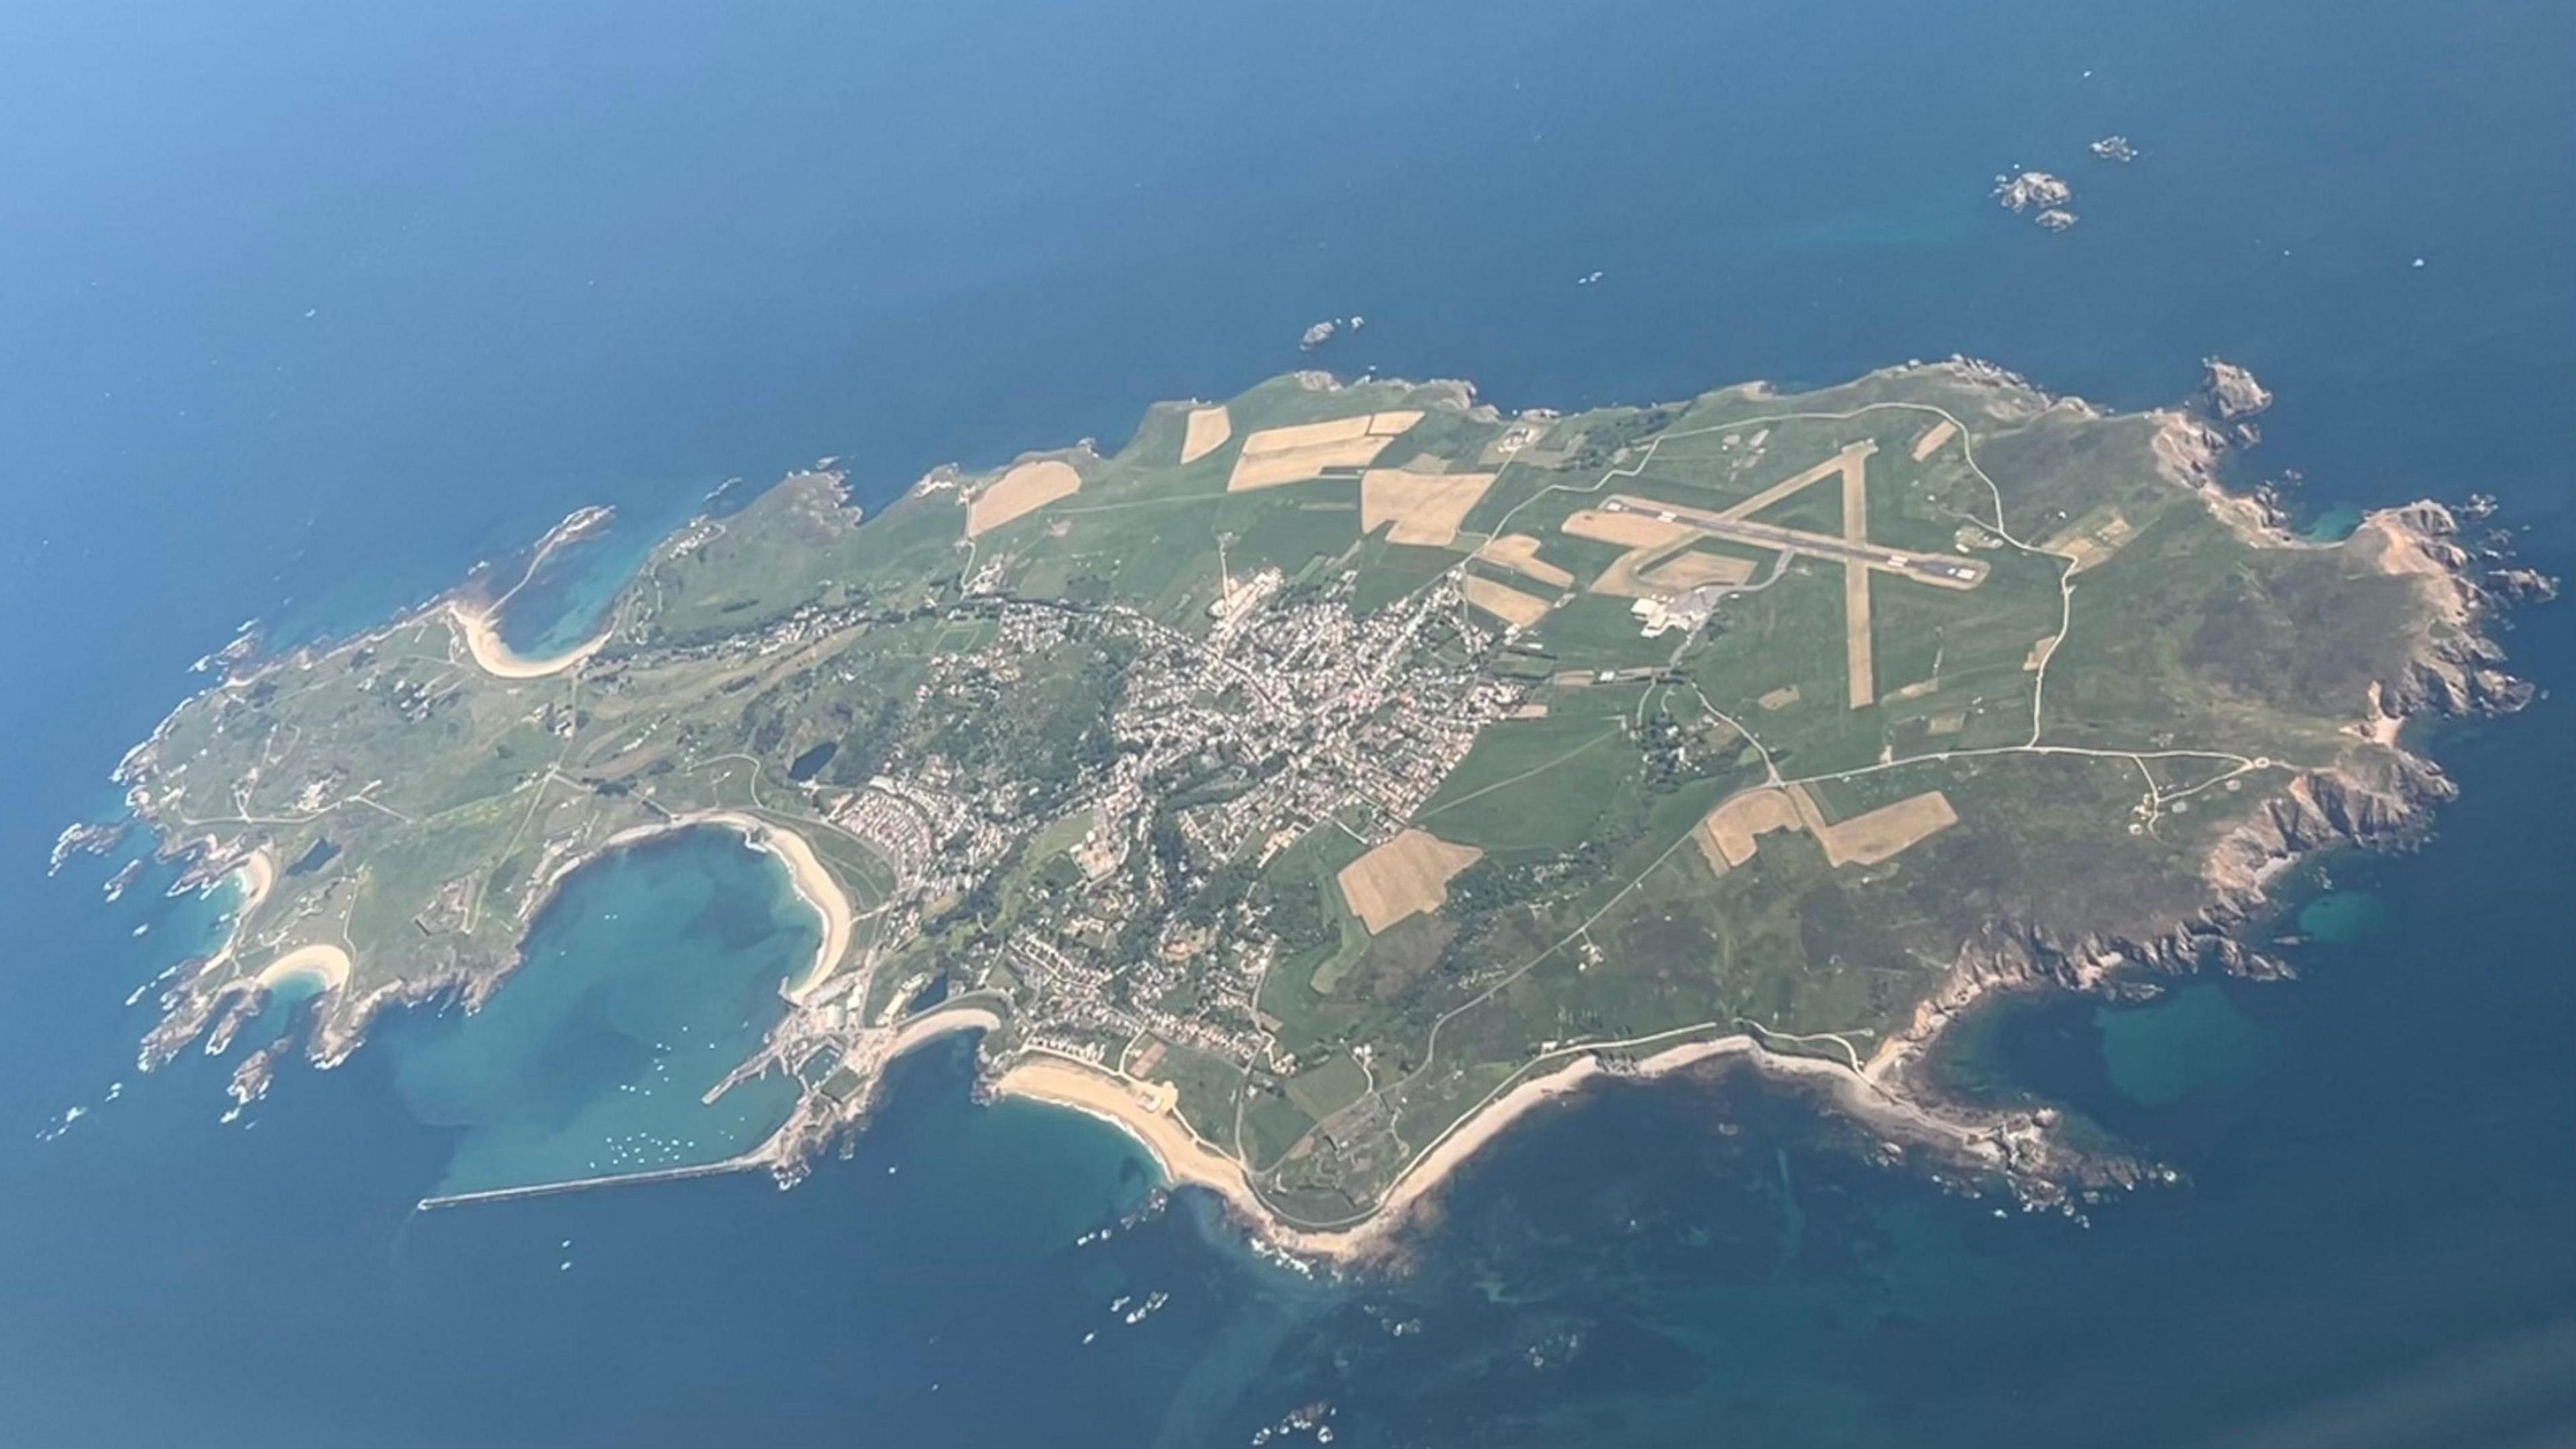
{"x":307,"y":310}
{"x":648,"y":978}
{"x":563,"y":600}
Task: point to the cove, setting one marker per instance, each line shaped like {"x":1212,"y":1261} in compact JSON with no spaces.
{"x":653,"y":973}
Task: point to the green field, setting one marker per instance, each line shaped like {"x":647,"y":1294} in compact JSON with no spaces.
{"x":1058,"y":763}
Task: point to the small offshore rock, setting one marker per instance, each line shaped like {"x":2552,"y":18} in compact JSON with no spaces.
{"x":2233,"y":390}
{"x":2029,"y":189}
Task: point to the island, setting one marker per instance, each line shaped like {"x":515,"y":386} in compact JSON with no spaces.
{"x":1332,"y":774}
{"x":2022,"y":191}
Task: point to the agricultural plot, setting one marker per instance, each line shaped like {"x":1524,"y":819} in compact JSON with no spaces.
{"x":1007,"y":708}
{"x":1504,"y":602}
{"x":1418,"y":508}
{"x":1520,"y":553}
{"x":1208,"y":430}
{"x":1019,"y":492}
{"x":1407,"y":875}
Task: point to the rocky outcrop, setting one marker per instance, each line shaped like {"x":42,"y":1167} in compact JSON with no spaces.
{"x":2377,"y":796}
{"x":2031,"y":189}
{"x":86,"y":839}
{"x":2233,"y":391}
{"x":1328,"y":329}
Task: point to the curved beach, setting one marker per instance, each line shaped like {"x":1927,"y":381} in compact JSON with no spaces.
{"x":1185,"y":1159}
{"x":493,"y":655}
{"x":814,"y":882}
{"x":321,"y":962}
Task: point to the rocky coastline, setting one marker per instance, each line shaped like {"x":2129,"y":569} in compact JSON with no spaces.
{"x":2379,"y":796}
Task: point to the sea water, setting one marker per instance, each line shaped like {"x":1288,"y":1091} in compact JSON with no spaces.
{"x":307,"y":312}
{"x":649,"y":977}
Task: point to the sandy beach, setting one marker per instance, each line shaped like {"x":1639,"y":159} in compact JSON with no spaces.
{"x":813,"y":881}
{"x":321,"y":962}
{"x":493,"y":656}
{"x":946,"y":1021}
{"x":258,"y":875}
{"x":1185,"y":1159}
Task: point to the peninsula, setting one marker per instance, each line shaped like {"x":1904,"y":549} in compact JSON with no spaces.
{"x":1331,"y":774}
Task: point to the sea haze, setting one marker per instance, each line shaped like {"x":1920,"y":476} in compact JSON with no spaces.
{"x":304,"y":311}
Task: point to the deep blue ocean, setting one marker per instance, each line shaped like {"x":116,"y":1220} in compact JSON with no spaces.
{"x":307,"y":309}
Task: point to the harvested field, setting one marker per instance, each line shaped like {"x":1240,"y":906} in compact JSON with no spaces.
{"x":1729,"y":834}
{"x":1305,"y":435}
{"x":1519,"y":553}
{"x":1426,"y":508}
{"x":1208,"y":430}
{"x":1691,"y":570}
{"x":1627,"y":529}
{"x":1330,"y":430}
{"x":1880,"y":834}
{"x":1781,"y":698}
{"x":1407,"y":874}
{"x":1296,"y":465}
{"x":1626,"y":576}
{"x":1505,"y":602}
{"x":1023,"y":490}
{"x":1649,"y":540}
{"x":1946,"y":724}
{"x":1294,"y":454}
{"x":1933,"y":437}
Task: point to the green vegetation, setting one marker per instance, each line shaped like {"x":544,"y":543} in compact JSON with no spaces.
{"x":1059,"y":765}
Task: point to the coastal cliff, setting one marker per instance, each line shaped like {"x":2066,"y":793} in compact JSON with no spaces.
{"x":2378,"y":796}
{"x":2120,"y":702}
